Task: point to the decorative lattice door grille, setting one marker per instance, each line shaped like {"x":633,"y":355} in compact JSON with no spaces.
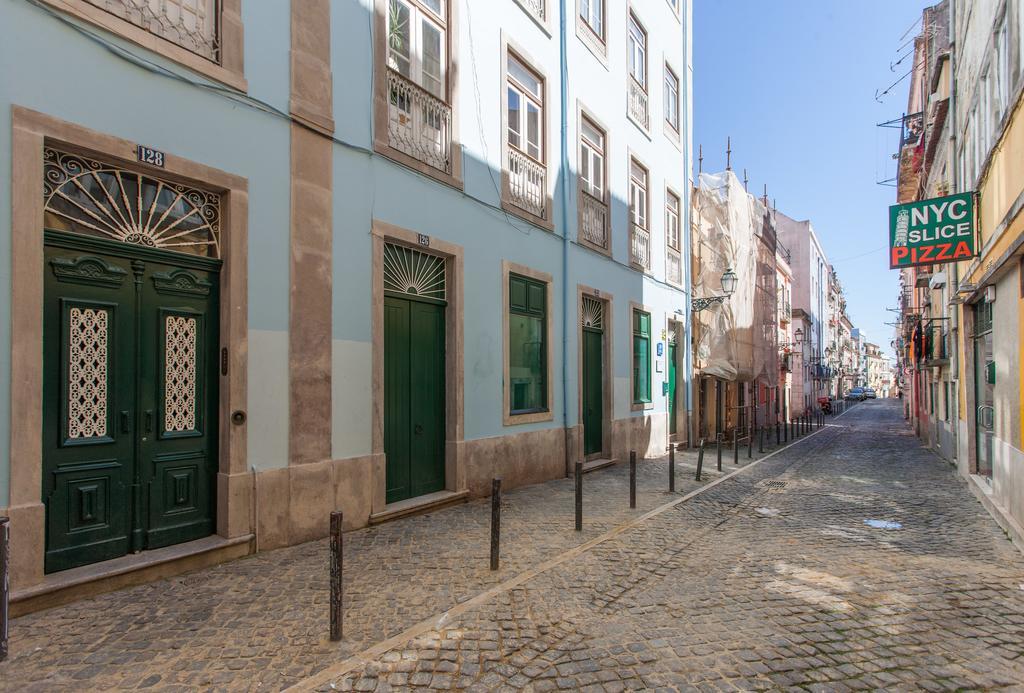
{"x":409,"y":271}
{"x":88,"y":335}
{"x":180,"y":353}
{"x":90,"y":197}
{"x":592,"y":313}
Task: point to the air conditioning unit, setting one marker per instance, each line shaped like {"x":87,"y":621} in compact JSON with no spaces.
{"x":937,"y":281}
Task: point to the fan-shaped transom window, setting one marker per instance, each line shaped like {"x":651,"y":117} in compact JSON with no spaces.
{"x":411,"y":272}
{"x":592,"y":313}
{"x":87,"y":196}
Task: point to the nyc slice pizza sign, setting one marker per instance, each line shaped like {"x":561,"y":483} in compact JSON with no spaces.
{"x":933,"y":231}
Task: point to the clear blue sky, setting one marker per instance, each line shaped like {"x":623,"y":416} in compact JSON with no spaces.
{"x":793,"y":83}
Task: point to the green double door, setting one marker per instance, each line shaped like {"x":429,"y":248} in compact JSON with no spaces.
{"x":130,"y":341}
{"x":414,"y":396}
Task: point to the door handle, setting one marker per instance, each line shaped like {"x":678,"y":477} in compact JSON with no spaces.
{"x":417,"y":429}
{"x":149,"y":421}
{"x":125,"y":425}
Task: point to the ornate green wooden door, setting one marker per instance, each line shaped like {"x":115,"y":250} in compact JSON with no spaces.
{"x":414,"y":372}
{"x":130,"y":423}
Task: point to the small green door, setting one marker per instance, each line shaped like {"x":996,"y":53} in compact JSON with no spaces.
{"x":593,"y":391}
{"x":130,"y":423}
{"x":414,"y":396}
{"x":672,"y":388}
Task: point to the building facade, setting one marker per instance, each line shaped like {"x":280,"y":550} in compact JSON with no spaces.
{"x":960,"y":346}
{"x":413,"y":245}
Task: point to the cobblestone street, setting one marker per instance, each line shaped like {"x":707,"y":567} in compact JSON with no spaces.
{"x":768,"y":579}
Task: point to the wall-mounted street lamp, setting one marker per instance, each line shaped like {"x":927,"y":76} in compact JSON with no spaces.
{"x":729,"y":280}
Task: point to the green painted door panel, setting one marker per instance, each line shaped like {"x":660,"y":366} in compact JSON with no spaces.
{"x":130,"y":401}
{"x":178,"y":397}
{"x":593,"y":391}
{"x":672,"y":389}
{"x":427,"y":401}
{"x":414,"y":397}
{"x":88,"y":406}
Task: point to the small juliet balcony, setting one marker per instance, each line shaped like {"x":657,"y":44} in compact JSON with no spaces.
{"x":593,"y":220}
{"x":637,"y":104}
{"x":419,"y":123}
{"x":640,"y":246}
{"x":673,"y":266}
{"x":527,"y":182}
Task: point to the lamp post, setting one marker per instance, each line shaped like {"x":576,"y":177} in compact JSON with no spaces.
{"x":729,"y":280}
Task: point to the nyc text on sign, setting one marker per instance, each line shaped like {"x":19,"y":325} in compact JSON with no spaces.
{"x":932,"y":231}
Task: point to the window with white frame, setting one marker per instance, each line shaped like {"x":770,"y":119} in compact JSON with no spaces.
{"x":524,"y":115}
{"x":638,"y":193}
{"x":419,"y":115}
{"x":416,"y":43}
{"x":637,"y":43}
{"x":592,"y":13}
{"x":525,"y":109}
{"x":672,"y":220}
{"x":593,"y":174}
{"x":592,"y":157}
{"x":671,"y":98}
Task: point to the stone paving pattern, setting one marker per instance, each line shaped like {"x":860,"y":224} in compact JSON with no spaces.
{"x":260,"y":623}
{"x":766,"y":581}
{"x":715,"y":595}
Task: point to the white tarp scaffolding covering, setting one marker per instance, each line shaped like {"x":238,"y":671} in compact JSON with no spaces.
{"x":732,"y":229}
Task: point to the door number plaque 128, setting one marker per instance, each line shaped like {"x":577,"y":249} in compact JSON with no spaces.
{"x":148,"y":155}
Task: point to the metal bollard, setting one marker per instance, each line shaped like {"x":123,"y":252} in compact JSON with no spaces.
{"x":337,"y":593}
{"x":632,"y":478}
{"x":778,"y":434}
{"x":5,"y":582}
{"x":671,"y":467}
{"x":785,"y":431}
{"x":736,"y":445}
{"x":579,"y":496}
{"x":750,"y":442}
{"x":700,"y":459}
{"x":718,"y":441}
{"x":495,"y":521}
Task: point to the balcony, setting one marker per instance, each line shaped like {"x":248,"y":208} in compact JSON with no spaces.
{"x":674,"y":267}
{"x":191,"y":25}
{"x":640,"y":246}
{"x":527,"y":181}
{"x":593,"y":220}
{"x":637,"y":104}
{"x":419,"y":124}
{"x":535,"y":7}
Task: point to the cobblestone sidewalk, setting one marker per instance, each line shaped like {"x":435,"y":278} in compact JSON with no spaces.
{"x":260,"y":623}
{"x":769,"y":580}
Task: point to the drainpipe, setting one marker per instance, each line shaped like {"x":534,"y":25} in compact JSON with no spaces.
{"x":954,"y":281}
{"x":564,"y":83}
{"x":687,"y":262}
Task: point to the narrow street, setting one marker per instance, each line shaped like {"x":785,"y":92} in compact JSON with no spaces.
{"x":767,"y":579}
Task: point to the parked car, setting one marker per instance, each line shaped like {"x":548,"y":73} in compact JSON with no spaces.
{"x":856,"y":394}
{"x":869,"y":393}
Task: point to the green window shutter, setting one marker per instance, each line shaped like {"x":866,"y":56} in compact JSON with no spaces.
{"x":528,"y":351}
{"x":641,"y":357}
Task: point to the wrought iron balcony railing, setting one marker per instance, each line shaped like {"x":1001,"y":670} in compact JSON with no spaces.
{"x":640,"y":246}
{"x":191,"y":24}
{"x":527,"y":181}
{"x":419,"y":123}
{"x":535,"y":7}
{"x":593,"y":220}
{"x":638,"y":103}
